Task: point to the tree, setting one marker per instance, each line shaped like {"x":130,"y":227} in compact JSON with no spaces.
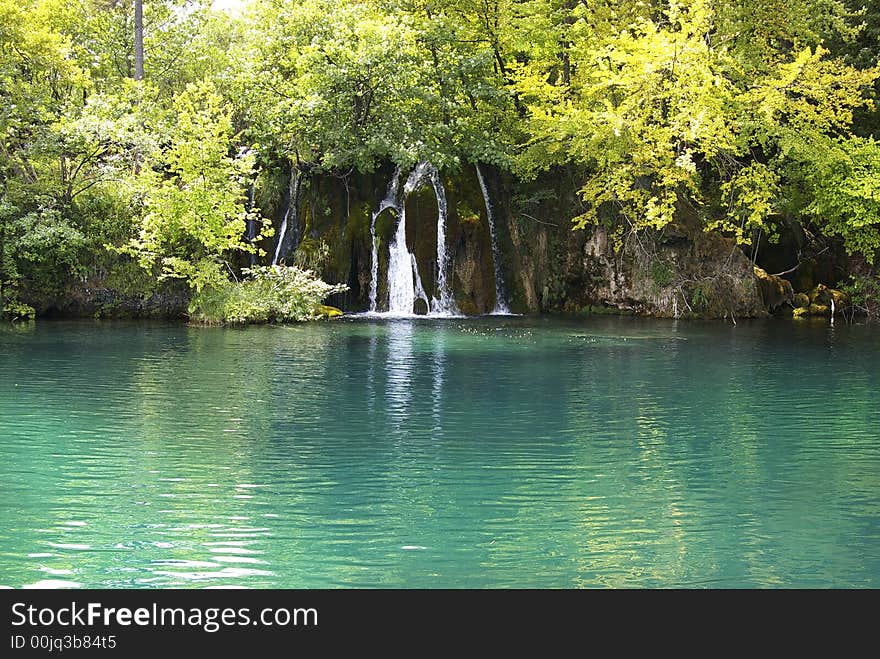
{"x":195,"y":211}
{"x":138,"y":39}
{"x":845,"y":188}
{"x":666,"y":112}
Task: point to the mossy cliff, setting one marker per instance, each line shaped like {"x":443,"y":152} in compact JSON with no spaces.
{"x":546,"y":266}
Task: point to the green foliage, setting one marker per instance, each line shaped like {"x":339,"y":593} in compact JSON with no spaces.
{"x":312,"y":254}
{"x":17,"y":311}
{"x":864,"y":292}
{"x":669,"y":104}
{"x":700,"y":298}
{"x":270,"y":294}
{"x":845,"y":185}
{"x":195,"y":207}
{"x":345,"y":83}
{"x":661,"y":273}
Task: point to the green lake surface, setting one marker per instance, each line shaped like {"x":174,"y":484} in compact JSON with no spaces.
{"x":492,"y":452}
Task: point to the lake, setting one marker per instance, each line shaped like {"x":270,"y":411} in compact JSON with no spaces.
{"x":473,"y":453}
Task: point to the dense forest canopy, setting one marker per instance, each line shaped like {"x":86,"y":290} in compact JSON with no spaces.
{"x":753,"y":115}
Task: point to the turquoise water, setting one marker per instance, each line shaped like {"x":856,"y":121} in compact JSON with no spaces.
{"x":498,"y":452}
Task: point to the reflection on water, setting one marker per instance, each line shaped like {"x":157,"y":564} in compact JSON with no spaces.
{"x":463,"y":453}
{"x":399,"y":371}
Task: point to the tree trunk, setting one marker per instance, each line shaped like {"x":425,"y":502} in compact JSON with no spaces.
{"x":138,"y":39}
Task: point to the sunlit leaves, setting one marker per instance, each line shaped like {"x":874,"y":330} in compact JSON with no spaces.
{"x":845,"y":185}
{"x":195,"y":210}
{"x":669,"y":104}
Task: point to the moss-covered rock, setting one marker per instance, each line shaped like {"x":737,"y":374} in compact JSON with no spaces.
{"x":801,"y":300}
{"x":820,"y":294}
{"x":841,"y":300}
{"x":326,"y":311}
{"x":775,"y":291}
{"x":468,"y":308}
{"x":820,"y":310}
{"x":801,"y":312}
{"x":420,"y":307}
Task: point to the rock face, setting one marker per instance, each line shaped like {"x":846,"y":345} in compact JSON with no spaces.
{"x":546,"y":266}
{"x":775,"y":291}
{"x":96,"y":300}
{"x":672,"y":274}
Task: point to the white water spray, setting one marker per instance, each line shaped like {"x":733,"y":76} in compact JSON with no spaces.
{"x":500,"y":295}
{"x":390,"y":201}
{"x":284,"y":246}
{"x":404,"y":282}
{"x":444,"y":305}
{"x":401,"y":285}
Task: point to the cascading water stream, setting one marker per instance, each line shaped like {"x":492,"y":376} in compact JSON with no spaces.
{"x":390,"y":201}
{"x":289,"y":241}
{"x":500,"y":293}
{"x":418,"y":290}
{"x":401,"y":284}
{"x":404,"y":282}
{"x":444,"y":305}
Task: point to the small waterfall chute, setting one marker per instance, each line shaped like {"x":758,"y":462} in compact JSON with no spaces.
{"x":404,"y":281}
{"x":288,"y":234}
{"x":419,"y":289}
{"x":390,"y":201}
{"x":501,"y":307}
{"x":401,"y":283}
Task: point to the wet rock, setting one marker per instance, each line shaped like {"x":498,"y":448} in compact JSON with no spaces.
{"x":820,"y":294}
{"x":420,"y":307}
{"x":820,"y":310}
{"x":775,"y":291}
{"x":801,"y":312}
{"x":801,"y":300}
{"x":841,"y":300}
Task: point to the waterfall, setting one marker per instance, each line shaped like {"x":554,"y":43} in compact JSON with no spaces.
{"x":390,"y":201}
{"x":404,"y":282}
{"x":401,"y":291}
{"x":445,"y":305}
{"x":832,"y":310}
{"x":289,"y":241}
{"x":500,"y":295}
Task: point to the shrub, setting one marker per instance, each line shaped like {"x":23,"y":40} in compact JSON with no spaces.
{"x":269,"y":294}
{"x":15,"y":311}
{"x":864,"y":291}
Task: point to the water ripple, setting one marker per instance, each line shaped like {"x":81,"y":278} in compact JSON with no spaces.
{"x":499,"y":452}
